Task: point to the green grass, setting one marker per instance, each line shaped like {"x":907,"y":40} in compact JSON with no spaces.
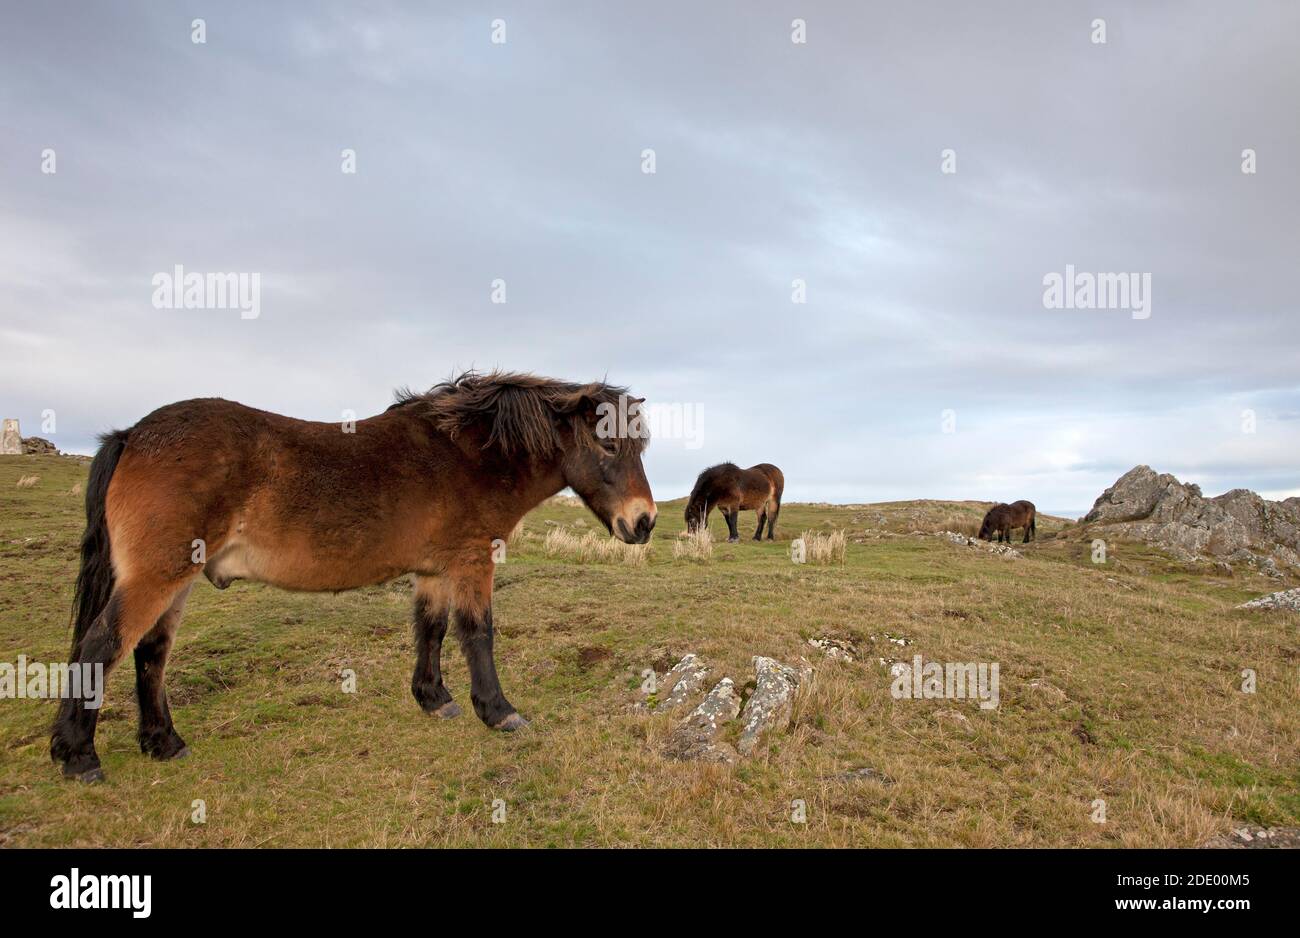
{"x":1146,"y":651}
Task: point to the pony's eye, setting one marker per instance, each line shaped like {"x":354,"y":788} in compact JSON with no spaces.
{"x":607,"y":470}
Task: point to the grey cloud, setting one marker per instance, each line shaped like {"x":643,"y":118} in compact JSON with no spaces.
{"x":775,"y":162}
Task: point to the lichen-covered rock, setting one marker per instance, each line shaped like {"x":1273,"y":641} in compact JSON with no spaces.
{"x":682,"y":683}
{"x":1287,"y":599}
{"x":1239,"y":526}
{"x":770,"y":705}
{"x":696,"y":738}
{"x":1253,"y":837}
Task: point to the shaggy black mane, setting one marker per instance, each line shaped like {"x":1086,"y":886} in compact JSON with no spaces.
{"x":524,"y":412}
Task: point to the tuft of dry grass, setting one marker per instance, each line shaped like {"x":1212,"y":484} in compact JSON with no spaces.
{"x":824,"y":548}
{"x":27,"y":482}
{"x":960,"y":523}
{"x":594,"y":548}
{"x":697,"y":545}
{"x":514,"y":537}
{"x":76,"y":489}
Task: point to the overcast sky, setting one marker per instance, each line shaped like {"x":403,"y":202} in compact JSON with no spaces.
{"x":775,"y":161}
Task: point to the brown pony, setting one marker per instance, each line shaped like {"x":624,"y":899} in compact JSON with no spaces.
{"x":1002,"y":518}
{"x":731,"y":489}
{"x":430,"y":487}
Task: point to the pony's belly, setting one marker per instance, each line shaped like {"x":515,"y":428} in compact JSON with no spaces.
{"x":294,"y":569}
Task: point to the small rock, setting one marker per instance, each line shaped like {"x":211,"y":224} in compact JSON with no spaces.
{"x":953,"y":716}
{"x":866,"y":773}
{"x":1049,"y":691}
{"x":696,"y":738}
{"x":770,"y":705}
{"x":683,"y":682}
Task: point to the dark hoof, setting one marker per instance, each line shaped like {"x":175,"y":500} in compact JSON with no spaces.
{"x":164,"y":750}
{"x":511,"y":723}
{"x":448,"y":710}
{"x":89,"y":776}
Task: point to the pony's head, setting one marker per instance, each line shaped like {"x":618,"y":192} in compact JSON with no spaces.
{"x":697,"y":513}
{"x":992,"y":521}
{"x":590,"y":435}
{"x":605,"y":471}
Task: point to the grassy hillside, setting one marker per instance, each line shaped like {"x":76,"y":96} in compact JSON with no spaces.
{"x":1137,"y":698}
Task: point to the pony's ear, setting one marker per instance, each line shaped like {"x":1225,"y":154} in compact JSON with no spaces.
{"x":581,"y":405}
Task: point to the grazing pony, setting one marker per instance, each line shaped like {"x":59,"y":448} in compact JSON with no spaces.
{"x":731,"y":489}
{"x":431,"y":487}
{"x":1002,"y":518}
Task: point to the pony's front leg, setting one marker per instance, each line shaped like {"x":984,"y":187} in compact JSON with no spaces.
{"x":733,"y":517}
{"x":474,"y":630}
{"x":432,"y":612}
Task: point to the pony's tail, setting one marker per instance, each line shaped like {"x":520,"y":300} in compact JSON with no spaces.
{"x":95,"y":578}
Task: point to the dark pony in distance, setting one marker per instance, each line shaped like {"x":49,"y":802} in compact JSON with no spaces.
{"x":1002,"y":518}
{"x":731,"y":490}
{"x":430,"y":487}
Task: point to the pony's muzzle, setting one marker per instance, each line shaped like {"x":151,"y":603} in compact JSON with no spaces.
{"x":639,"y":531}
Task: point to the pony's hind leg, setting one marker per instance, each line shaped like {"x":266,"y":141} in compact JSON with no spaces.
{"x":157,"y":735}
{"x":762,"y":517}
{"x":133,"y":609}
{"x":432,"y":611}
{"x":771,"y":520}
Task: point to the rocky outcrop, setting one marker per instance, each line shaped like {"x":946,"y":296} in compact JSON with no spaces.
{"x":1287,"y":599}
{"x":1238,"y":526}
{"x":36,"y":446}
